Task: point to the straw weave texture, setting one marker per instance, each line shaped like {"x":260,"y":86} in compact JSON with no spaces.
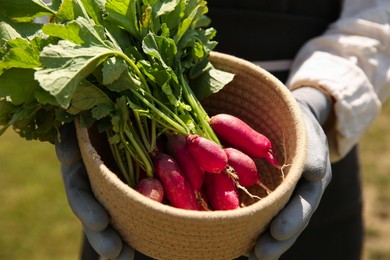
{"x":164,"y":232}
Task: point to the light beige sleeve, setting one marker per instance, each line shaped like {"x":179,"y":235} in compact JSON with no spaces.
{"x":352,"y":62}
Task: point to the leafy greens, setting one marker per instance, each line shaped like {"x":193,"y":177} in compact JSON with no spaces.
{"x":127,"y":66}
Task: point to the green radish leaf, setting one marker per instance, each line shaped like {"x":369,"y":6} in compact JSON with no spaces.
{"x":71,"y":10}
{"x":112,"y":70}
{"x":44,"y":121}
{"x":104,"y":124}
{"x":160,"y":13}
{"x":197,"y":45}
{"x":83,"y":11}
{"x":24,"y":115}
{"x":7,"y":31}
{"x":35,"y":122}
{"x":124,"y":82}
{"x":86,"y":119}
{"x":209,"y":82}
{"x":203,"y":22}
{"x":164,"y":7}
{"x":170,"y":18}
{"x":21,"y":54}
{"x":134,"y":53}
{"x":24,"y":10}
{"x":55,"y":4}
{"x":161,"y":48}
{"x":43,"y":97}
{"x":115,"y":121}
{"x":205,"y":37}
{"x":63,"y":116}
{"x":7,"y":109}
{"x":138,"y":108}
{"x":189,"y":121}
{"x":11,"y":30}
{"x":66,"y":65}
{"x":166,"y":88}
{"x":158,"y":75}
{"x":18,"y":89}
{"x":81,"y":31}
{"x":87,"y":96}
{"x":194,"y":10}
{"x":115,"y":139}
{"x":95,"y":9}
{"x":102,"y":110}
{"x":122,"y":106}
{"x":69,"y":32}
{"x":124,"y":14}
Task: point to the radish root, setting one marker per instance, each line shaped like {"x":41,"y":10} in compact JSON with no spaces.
{"x":285,"y":164}
{"x":202,"y":201}
{"x":233,"y":175}
{"x":268,"y":190}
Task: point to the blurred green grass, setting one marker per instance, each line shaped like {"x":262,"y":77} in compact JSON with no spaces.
{"x":37,"y":223}
{"x":375,"y":157}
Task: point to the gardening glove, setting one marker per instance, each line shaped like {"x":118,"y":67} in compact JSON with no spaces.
{"x":102,"y":237}
{"x":294,"y":217}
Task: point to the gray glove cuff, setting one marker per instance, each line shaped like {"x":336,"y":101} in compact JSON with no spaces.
{"x":316,"y":100}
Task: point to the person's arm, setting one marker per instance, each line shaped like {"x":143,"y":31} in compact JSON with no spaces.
{"x":351,"y":61}
{"x":348,"y":68}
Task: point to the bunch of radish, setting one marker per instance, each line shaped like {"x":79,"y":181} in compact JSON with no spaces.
{"x":193,"y":172}
{"x":134,"y":78}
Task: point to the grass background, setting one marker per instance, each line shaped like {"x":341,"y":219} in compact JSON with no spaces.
{"x":37,"y":223}
{"x":35,"y":219}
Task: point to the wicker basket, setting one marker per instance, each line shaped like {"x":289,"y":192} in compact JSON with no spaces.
{"x":164,"y":232}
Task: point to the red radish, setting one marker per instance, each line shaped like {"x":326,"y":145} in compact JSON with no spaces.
{"x":177,"y":148}
{"x":177,"y":189}
{"x":221,"y":192}
{"x":238,"y":134}
{"x":244,"y":167}
{"x":208,"y":155}
{"x":151,"y":188}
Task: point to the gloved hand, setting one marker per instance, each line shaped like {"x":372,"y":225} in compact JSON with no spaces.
{"x":294,"y":217}
{"x":104,"y":239}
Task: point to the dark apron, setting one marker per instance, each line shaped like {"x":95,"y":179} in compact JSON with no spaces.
{"x":275,"y":30}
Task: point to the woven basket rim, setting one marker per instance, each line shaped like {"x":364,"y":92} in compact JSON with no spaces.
{"x":291,"y":179}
